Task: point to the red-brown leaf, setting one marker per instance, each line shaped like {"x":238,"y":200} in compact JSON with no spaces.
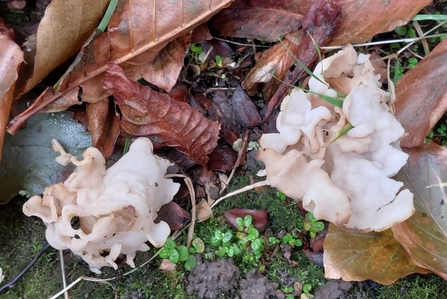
{"x":265,"y":20}
{"x":153,"y":114}
{"x":362,"y":20}
{"x":421,"y":96}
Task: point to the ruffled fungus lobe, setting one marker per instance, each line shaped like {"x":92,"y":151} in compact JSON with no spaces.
{"x":346,"y":180}
{"x":101,"y":214}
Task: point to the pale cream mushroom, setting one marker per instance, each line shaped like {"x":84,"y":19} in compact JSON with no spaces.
{"x":115,"y":209}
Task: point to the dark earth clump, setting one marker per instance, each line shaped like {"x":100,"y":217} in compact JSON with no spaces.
{"x":212,"y":278}
{"x":256,"y":286}
{"x":333,"y":289}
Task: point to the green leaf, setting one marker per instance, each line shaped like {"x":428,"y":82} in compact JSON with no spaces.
{"x":222,"y":251}
{"x":239,"y":222}
{"x":306,"y":288}
{"x":317,"y":227}
{"x":253,"y":232}
{"x":236,"y":250}
{"x":248,"y":220}
{"x":170,"y":244}
{"x":257,"y":245}
{"x":190,"y":263}
{"x":174,"y":257}
{"x":164,"y":253}
{"x":183,"y":253}
{"x":230,"y":252}
{"x":218,"y":235}
{"x":196,"y":48}
{"x":227,"y":237}
{"x":198,"y":244}
{"x":28,"y":162}
{"x":215,"y":241}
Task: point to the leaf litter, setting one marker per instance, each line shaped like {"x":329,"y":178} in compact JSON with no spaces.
{"x":138,"y":110}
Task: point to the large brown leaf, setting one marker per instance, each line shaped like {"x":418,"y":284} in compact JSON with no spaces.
{"x":137,"y":31}
{"x":362,"y":20}
{"x":164,"y":120}
{"x":66,"y":25}
{"x":10,"y":58}
{"x":421,"y":96}
{"x":269,"y":19}
{"x":265,"y":20}
{"x":424,"y":235}
{"x":359,"y":256}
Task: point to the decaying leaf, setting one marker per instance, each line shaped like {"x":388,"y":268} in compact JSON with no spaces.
{"x":62,"y":31}
{"x":10,"y":59}
{"x":164,"y":120}
{"x":104,"y":125}
{"x":164,"y":70}
{"x":260,"y":19}
{"x":269,"y":19}
{"x":421,"y":96}
{"x":137,"y":31}
{"x":424,"y":235}
{"x":362,"y":20}
{"x":319,"y":24}
{"x":28,"y":158}
{"x":359,"y":256}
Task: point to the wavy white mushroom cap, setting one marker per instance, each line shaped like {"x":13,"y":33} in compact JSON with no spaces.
{"x":346,"y":181}
{"x":116,"y":208}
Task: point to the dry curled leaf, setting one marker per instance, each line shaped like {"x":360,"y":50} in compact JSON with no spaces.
{"x":137,"y":31}
{"x":164,"y":120}
{"x":265,"y":20}
{"x":359,"y":256}
{"x":62,"y":31}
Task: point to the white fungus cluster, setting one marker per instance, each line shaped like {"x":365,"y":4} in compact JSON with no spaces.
{"x":101,"y":214}
{"x":346,"y":180}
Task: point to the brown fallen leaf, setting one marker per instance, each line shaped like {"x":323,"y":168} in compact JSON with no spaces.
{"x":164,"y":70}
{"x":359,"y":256}
{"x":104,"y":125}
{"x":137,"y":31}
{"x":266,"y":20}
{"x":10,"y":59}
{"x":424,"y":235}
{"x":274,"y":62}
{"x":361,"y":20}
{"x":244,"y":110}
{"x":320,"y":23}
{"x":62,"y":31}
{"x":421,"y":96}
{"x":146,"y":112}
{"x":174,"y":215}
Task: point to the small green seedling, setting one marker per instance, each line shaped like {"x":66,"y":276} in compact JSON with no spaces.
{"x":290,"y":238}
{"x":247,"y":244}
{"x":312,"y":225}
{"x":223,"y":241}
{"x":281,"y":196}
{"x":177,"y":254}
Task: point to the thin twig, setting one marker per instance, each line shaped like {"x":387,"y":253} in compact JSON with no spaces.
{"x":64,"y":280}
